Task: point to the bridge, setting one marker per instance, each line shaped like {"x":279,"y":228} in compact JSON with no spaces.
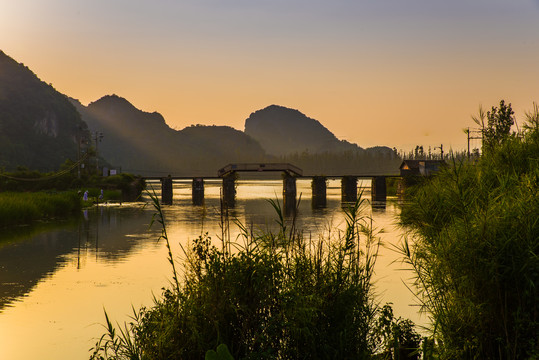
{"x":286,"y":168}
{"x":228,"y":174}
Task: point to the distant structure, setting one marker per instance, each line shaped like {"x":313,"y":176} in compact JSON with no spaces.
{"x":420,"y":167}
{"x":288,"y":169}
{"x":290,"y":173}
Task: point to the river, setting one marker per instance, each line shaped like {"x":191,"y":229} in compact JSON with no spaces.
{"x":57,"y":278}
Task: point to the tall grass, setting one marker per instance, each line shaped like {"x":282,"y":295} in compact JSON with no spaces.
{"x":266,"y":295}
{"x":473,"y":244}
{"x":22,"y":208}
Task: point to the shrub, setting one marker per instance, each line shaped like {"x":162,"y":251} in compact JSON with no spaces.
{"x":269,"y":296}
{"x":473,"y":244}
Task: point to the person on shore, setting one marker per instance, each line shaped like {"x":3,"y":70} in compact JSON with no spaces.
{"x":101,"y":196}
{"x":85,"y":196}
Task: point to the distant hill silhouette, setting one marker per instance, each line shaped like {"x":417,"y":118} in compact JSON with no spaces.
{"x":283,"y":131}
{"x":295,"y":138}
{"x":38,"y":125}
{"x":39,"y":129}
{"x":142,"y":142}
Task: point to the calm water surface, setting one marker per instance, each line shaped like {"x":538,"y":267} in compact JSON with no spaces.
{"x":56,"y":279}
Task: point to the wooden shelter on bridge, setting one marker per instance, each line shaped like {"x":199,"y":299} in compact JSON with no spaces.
{"x":287,"y":168}
{"x":228,"y":173}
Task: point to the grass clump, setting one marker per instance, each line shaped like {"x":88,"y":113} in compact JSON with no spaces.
{"x":266,"y":295}
{"x":473,"y":244}
{"x":23,"y":208}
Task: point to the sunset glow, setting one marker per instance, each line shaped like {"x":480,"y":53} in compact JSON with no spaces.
{"x":375,"y":73}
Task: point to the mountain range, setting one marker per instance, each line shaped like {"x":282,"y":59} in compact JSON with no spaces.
{"x":142,"y":142}
{"x":40,"y":129}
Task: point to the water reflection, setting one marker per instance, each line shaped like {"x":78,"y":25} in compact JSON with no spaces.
{"x":55,"y":279}
{"x":30,"y":254}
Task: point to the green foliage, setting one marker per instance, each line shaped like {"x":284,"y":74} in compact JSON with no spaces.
{"x":396,"y":338}
{"x":498,"y":126}
{"x":117,"y":343}
{"x":274,"y":296}
{"x":392,"y":185}
{"x":222,"y":353}
{"x":473,"y":244}
{"x":31,"y":180}
{"x":23,"y":208}
{"x":123,"y":186}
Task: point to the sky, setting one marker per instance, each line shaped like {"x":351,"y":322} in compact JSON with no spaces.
{"x":387,"y":72}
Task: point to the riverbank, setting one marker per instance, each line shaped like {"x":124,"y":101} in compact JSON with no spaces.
{"x":28,"y":196}
{"x":25,"y":207}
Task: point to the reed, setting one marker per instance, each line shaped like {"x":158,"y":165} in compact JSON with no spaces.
{"x":23,"y":208}
{"x":266,"y":295}
{"x":473,"y":243}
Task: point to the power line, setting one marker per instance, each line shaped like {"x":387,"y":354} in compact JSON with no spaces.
{"x":58,"y":174}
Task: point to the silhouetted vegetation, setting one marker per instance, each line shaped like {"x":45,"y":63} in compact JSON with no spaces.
{"x":498,"y":126}
{"x":274,"y":295}
{"x":473,"y":246}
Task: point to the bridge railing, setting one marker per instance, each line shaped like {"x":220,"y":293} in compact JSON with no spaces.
{"x":259,"y":167}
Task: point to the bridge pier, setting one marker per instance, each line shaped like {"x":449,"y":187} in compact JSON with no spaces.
{"x":289,"y":194}
{"x":229,"y":190}
{"x":319,"y":187}
{"x":378,"y":189}
{"x":166,"y":190}
{"x":198,"y":191}
{"x":349,"y":189}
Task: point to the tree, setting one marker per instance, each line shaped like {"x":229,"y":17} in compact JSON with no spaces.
{"x":498,"y":126}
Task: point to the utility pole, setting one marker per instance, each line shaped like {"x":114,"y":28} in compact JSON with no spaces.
{"x":470,"y":137}
{"x":97,"y":137}
{"x":79,"y":143}
{"x":78,"y":153}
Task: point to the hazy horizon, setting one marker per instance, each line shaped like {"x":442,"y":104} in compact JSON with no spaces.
{"x":392,"y":73}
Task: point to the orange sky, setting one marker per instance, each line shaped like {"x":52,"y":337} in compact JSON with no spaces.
{"x":397,"y":74}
